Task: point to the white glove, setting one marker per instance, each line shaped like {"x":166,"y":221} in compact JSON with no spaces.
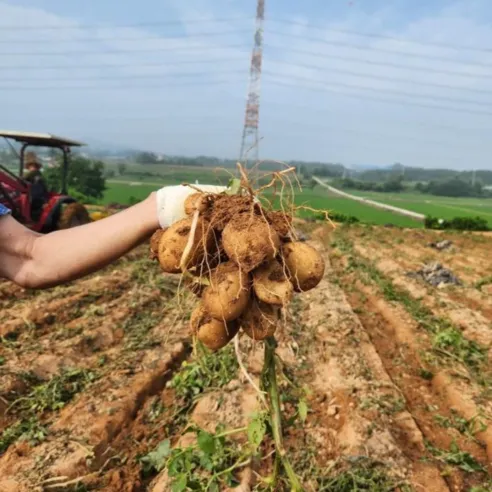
{"x":171,"y":199}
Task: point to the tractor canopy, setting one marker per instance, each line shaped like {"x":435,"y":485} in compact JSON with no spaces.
{"x":40,"y":139}
{"x":33,"y":139}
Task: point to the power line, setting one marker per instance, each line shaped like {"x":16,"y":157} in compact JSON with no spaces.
{"x":344,"y":44}
{"x":235,"y":19}
{"x":231,"y":60}
{"x":119,"y":65}
{"x":382,"y":36}
{"x":327,"y":88}
{"x":383,"y":77}
{"x":318,"y":40}
{"x":116,"y":52}
{"x":383,"y":64}
{"x":125,"y":77}
{"x":115,"y":38}
{"x":391,"y":91}
{"x":323,"y":88}
{"x":291,"y":50}
{"x":123,"y":26}
{"x":119,"y":87}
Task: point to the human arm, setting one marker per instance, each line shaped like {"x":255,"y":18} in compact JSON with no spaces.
{"x":38,"y":261}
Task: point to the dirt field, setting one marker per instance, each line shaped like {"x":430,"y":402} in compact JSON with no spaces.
{"x":385,"y":380}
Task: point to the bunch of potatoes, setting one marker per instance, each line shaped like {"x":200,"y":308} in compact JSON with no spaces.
{"x":243,"y":262}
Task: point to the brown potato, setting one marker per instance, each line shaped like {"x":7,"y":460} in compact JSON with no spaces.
{"x":227,"y":296}
{"x":259,"y":320}
{"x":304,"y":264}
{"x":154,"y":243}
{"x":197,"y":201}
{"x":271,"y":284}
{"x":249,"y":241}
{"x":214,"y":334}
{"x":173,"y":242}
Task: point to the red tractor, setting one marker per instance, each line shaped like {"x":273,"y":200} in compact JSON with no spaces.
{"x":37,"y":208}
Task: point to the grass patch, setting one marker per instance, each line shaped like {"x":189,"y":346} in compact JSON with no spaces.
{"x":148,"y":272}
{"x":49,"y":396}
{"x":137,"y":329}
{"x":464,"y":426}
{"x":452,"y":342}
{"x":210,"y":464}
{"x":25,"y":430}
{"x":455,"y":457}
{"x":55,"y":393}
{"x":386,"y":404}
{"x":208,"y":371}
{"x":370,"y":477}
{"x":359,"y":473}
{"x":483,"y":282}
{"x":188,"y":467}
{"x":447,"y":339}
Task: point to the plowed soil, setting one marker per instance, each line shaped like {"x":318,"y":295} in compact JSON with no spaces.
{"x":395,"y":375}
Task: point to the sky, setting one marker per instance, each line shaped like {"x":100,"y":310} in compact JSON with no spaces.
{"x":362,"y":82}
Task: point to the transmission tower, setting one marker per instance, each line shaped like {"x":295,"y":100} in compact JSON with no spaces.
{"x":250,"y":140}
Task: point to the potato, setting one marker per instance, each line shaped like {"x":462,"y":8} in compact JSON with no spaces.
{"x":197,"y":201}
{"x":304,"y":264}
{"x":249,"y":241}
{"x":154,"y":243}
{"x":228,"y":294}
{"x":259,"y":320}
{"x":214,"y":334}
{"x":173,"y":243}
{"x":271,"y":284}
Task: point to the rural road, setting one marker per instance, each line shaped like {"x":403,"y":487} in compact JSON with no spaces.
{"x":372,"y":203}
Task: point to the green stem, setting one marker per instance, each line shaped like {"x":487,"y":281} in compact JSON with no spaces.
{"x":228,"y":470}
{"x":270,"y":379}
{"x":231,"y":432}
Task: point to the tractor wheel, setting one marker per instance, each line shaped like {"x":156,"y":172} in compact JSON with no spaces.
{"x":73,"y":215}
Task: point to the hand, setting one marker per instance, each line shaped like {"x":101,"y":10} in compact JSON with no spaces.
{"x":171,"y":199}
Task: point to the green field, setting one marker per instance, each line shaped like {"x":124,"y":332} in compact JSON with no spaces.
{"x":139,"y":181}
{"x":441,"y":207}
{"x":317,"y":198}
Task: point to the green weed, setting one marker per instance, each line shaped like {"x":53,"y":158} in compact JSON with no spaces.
{"x":358,"y":473}
{"x":483,"y":282}
{"x":464,"y":426}
{"x":155,"y":411}
{"x":55,"y":393}
{"x":147,"y":272}
{"x":425,"y":374}
{"x":369,"y":477}
{"x":48,"y":396}
{"x":209,"y":465}
{"x":386,"y":404}
{"x":471,"y":353}
{"x":137,"y":329}
{"x":25,"y":430}
{"x":455,"y":457}
{"x":208,"y":371}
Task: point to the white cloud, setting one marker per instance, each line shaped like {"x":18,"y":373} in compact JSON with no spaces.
{"x":159,"y":106}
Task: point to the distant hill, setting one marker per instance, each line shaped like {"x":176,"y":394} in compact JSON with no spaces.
{"x":424,"y":175}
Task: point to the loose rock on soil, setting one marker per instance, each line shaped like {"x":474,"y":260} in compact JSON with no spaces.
{"x":435,"y":274}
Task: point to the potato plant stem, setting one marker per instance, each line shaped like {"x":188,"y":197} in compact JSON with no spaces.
{"x":270,"y":381}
